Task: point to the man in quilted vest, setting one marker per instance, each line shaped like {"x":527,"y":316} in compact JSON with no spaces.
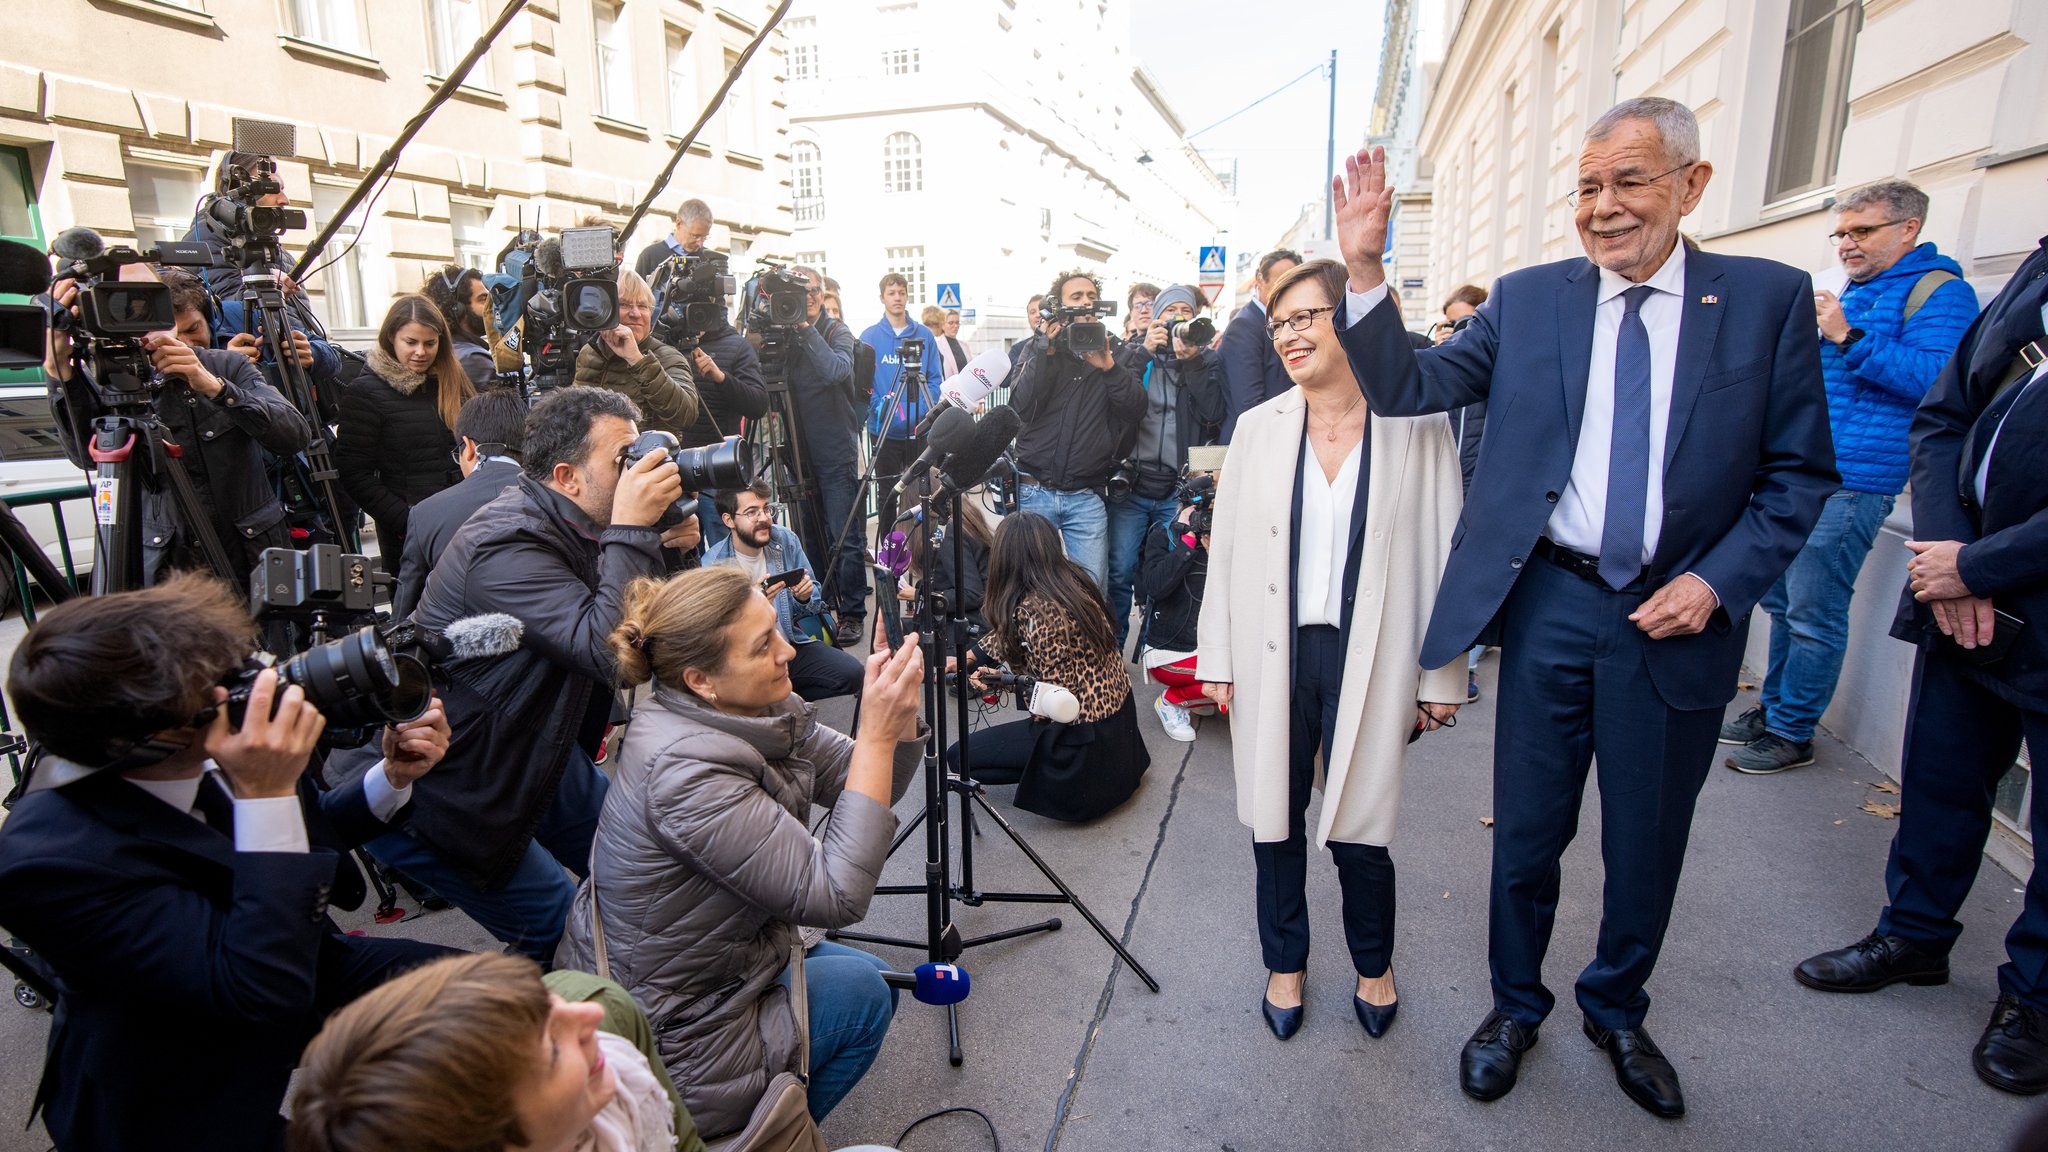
{"x":1882,"y":342}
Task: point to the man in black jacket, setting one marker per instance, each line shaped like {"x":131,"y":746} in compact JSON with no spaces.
{"x":1977,"y":607}
{"x":218,"y":409}
{"x":1252,"y":371}
{"x":518,"y":799}
{"x":828,"y":410}
{"x":174,"y":873}
{"x":1076,"y":412}
{"x":489,"y":432}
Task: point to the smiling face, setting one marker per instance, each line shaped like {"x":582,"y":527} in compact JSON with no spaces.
{"x":755,"y":674}
{"x":416,"y":346}
{"x":1312,"y":352}
{"x":571,"y":1082}
{"x":636,"y":311}
{"x":1631,"y":233}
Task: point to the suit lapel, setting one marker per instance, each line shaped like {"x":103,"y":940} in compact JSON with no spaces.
{"x":1698,"y":327}
{"x":130,"y":809}
{"x":1575,"y":305}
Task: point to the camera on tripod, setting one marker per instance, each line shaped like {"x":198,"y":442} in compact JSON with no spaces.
{"x":1082,"y":332}
{"x":571,"y":293}
{"x":690,"y":292}
{"x":776,"y":299}
{"x":727,"y":464}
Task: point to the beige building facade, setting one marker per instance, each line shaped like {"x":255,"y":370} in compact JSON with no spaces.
{"x":1797,"y":100}
{"x":114,"y":113}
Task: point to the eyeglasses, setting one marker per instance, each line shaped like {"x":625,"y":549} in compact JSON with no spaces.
{"x":1299,"y":321}
{"x":1628,"y":189}
{"x":754,"y":514}
{"x":1859,"y":235}
{"x":635,"y":306}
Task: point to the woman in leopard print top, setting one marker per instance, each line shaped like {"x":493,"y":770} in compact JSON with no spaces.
{"x":1047,"y":621}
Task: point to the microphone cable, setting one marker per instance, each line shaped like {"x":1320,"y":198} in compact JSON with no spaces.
{"x":995,"y":1140}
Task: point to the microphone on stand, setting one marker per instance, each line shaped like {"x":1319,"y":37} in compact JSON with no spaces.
{"x":967,"y":388}
{"x":951,"y":432}
{"x":992,"y":436}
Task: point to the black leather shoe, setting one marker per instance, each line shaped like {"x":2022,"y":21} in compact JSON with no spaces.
{"x":1493,"y":1056}
{"x":1284,"y":1022}
{"x":851,"y":631}
{"x":1375,"y":1018}
{"x":1871,"y":963}
{"x":2013,"y":1054}
{"x":1641,"y":1070}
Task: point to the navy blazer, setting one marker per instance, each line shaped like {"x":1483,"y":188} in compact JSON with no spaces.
{"x":1748,"y":456}
{"x":1252,"y":372}
{"x":2005,"y":553}
{"x":433,"y":521}
{"x":189,"y":975}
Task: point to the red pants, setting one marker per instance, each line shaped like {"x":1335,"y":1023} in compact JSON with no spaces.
{"x":1181,"y":686}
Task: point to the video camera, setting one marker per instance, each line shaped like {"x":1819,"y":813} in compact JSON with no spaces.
{"x":729,"y":463}
{"x":774,"y":303}
{"x":1082,"y":332}
{"x":1199,"y":492}
{"x":575,"y":296}
{"x":114,"y":314}
{"x":690,"y":292}
{"x":250,"y":228}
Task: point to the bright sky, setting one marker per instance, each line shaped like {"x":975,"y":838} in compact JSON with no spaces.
{"x":1213,"y":57}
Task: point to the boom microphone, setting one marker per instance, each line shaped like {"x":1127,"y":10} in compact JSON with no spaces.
{"x":23,"y":270}
{"x":485,"y":635}
{"x":951,"y":434}
{"x":991,"y":437}
{"x":78,"y":244}
{"x":547,"y":259}
{"x":932,"y":983}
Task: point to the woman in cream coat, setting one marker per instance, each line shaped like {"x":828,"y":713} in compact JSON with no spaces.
{"x":1331,"y":529}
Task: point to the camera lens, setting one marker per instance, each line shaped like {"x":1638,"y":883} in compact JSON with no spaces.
{"x":356,"y":681}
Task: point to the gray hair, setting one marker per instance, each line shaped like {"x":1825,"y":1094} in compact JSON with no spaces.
{"x":634,"y":285}
{"x":694,"y":211}
{"x":1902,"y":199}
{"x":1676,"y":126}
{"x":810,"y":275}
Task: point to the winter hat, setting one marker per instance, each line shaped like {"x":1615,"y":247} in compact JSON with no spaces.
{"x":1177,"y":294}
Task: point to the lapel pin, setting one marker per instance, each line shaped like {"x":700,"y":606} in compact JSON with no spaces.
{"x":1710,"y":299}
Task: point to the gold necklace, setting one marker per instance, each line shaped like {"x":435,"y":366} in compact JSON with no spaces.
{"x":1333,"y":425}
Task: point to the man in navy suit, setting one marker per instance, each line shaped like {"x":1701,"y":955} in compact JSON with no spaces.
{"x":1658,"y":450}
{"x":1252,"y":372}
{"x":1977,"y":605}
{"x":174,"y":873}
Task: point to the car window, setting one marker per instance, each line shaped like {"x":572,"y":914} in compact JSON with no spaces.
{"x":28,"y":429}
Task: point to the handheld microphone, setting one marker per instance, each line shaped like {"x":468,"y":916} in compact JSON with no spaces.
{"x":23,"y":270}
{"x":932,"y":983}
{"x":991,"y":438}
{"x":950,"y":434}
{"x":547,"y":259}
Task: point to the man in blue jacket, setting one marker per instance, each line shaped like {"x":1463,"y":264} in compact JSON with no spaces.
{"x":894,"y":412}
{"x":1252,"y":373}
{"x":758,"y":546}
{"x":1882,"y":342}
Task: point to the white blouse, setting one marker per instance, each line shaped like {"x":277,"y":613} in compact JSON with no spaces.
{"x":1325,"y":539}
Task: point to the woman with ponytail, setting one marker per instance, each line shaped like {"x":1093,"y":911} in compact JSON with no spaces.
{"x":704,"y":866}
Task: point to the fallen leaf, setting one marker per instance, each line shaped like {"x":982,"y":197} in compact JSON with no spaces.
{"x":1486,"y":820}
{"x":1841,"y":821}
{"x":1447,"y":893}
{"x":1885,"y":811}
{"x":1886,"y":787}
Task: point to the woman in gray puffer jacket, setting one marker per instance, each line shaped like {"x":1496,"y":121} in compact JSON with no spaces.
{"x":703,"y":865}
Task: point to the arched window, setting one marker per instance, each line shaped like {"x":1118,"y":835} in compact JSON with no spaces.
{"x":902,"y":163}
{"x":807,"y":181}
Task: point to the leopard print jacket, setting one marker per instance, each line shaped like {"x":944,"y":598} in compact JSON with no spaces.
{"x":1049,"y":634}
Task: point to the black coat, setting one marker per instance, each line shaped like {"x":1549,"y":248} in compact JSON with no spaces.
{"x":1076,"y":416}
{"x":394,"y":451}
{"x":2005,"y":539}
{"x":742,"y":393}
{"x":1252,"y":372}
{"x":514,"y":717}
{"x":1198,"y":398}
{"x":828,"y":407}
{"x":1171,"y":579}
{"x":433,"y":523}
{"x":189,"y":975}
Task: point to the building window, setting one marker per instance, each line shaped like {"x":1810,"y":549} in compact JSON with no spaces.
{"x":1813,"y":96}
{"x":614,"y":59}
{"x":18,"y":216}
{"x":341,"y":280}
{"x":802,"y":58}
{"x":1045,"y":223}
{"x":900,"y":61}
{"x":740,"y":132}
{"x":335,"y":23}
{"x":813,"y":260}
{"x":807,"y":182}
{"x":682,"y":86}
{"x":162,"y":197}
{"x":454,"y":27}
{"x":902,"y":163}
{"x":476,"y":245}
{"x":909,"y":264}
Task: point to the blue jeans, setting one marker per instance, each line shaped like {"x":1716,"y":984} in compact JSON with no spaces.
{"x":1082,"y":520}
{"x":531,"y":909}
{"x":850,"y":1012}
{"x":1809,"y":608}
{"x":1129,"y":520}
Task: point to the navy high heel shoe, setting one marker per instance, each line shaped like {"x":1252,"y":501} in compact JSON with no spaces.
{"x":1376,"y":1018}
{"x":1284,"y":1022}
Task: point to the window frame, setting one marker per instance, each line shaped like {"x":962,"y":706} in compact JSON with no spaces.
{"x":902,"y":171}
{"x":293,"y":20}
{"x":1840,"y":25}
{"x":807,"y":181}
{"x":612,"y":83}
{"x":444,"y":52}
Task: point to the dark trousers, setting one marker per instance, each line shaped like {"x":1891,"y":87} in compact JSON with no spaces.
{"x":819,"y":671}
{"x":1365,"y":872}
{"x":1963,"y":731}
{"x":838,"y":482}
{"x":1001,"y":751}
{"x":1575,"y":685}
{"x":892,"y":459}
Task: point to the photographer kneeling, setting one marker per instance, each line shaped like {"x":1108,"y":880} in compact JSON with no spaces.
{"x":1173,"y":573}
{"x":1047,"y":623}
{"x":175,"y":872}
{"x":704,"y":867}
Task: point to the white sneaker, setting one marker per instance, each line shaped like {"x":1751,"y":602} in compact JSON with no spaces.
{"x":1175,"y":720}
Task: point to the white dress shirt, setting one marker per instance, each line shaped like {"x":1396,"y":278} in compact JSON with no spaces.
{"x":1984,"y":465}
{"x":1325,"y":539}
{"x":273,"y":823}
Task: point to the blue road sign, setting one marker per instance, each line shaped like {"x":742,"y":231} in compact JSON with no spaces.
{"x":1212,"y":259}
{"x":949,"y":296}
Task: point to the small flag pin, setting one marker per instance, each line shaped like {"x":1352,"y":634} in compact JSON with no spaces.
{"x":1710,"y":299}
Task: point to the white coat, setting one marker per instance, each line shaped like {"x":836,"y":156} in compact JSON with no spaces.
{"x":1414,"y":499}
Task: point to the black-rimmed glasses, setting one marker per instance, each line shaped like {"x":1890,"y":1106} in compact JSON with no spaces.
{"x":1298,"y":321}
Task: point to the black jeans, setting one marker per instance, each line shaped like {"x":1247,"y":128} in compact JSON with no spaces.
{"x":892,"y":459}
{"x":819,"y":671}
{"x":1365,"y":872}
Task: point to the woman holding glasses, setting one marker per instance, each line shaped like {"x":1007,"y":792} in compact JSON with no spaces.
{"x":1331,"y":529}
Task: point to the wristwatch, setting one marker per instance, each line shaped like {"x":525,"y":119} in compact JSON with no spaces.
{"x":1854,"y":335}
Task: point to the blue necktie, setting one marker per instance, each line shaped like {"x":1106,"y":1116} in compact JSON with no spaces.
{"x":1628,"y":455}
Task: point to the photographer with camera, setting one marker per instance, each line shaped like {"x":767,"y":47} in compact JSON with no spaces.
{"x":1078,"y":405}
{"x":1173,"y":571}
{"x":214,"y":405}
{"x":234,"y":180}
{"x":730,"y":390}
{"x":518,"y":799}
{"x":774,"y":560}
{"x":491,"y":432}
{"x":629,"y":360}
{"x":693,"y":228}
{"x":1182,"y":378}
{"x":827,"y":398}
{"x":174,"y":871}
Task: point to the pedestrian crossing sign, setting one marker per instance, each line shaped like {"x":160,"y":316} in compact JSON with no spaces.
{"x":949,"y":295}
{"x":1212,"y":259}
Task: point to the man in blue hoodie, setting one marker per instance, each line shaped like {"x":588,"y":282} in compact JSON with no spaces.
{"x":894,"y":413}
{"x":1882,"y":342}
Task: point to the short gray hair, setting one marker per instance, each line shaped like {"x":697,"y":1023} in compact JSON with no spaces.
{"x":634,"y":285}
{"x":694,"y":211}
{"x":1676,"y":126}
{"x":1904,"y":200}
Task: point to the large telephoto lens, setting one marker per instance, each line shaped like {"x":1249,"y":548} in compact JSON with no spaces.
{"x":730,"y":463}
{"x":357,"y":681}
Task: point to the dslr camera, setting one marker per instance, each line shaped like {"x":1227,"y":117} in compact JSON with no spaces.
{"x":730,"y":463}
{"x":1194,"y":332}
{"x":690,"y":291}
{"x":1199,"y":492}
{"x":1082,"y":332}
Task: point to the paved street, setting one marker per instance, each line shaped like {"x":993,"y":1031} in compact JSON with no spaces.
{"x":1066,"y":1049}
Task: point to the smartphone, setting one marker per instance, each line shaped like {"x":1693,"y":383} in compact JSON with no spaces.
{"x":789,"y":579}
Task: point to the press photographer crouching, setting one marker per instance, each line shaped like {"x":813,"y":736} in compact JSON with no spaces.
{"x":214,"y":405}
{"x":1047,"y":625}
{"x":774,"y":560}
{"x":629,"y":360}
{"x":1173,"y":574}
{"x":174,"y":871}
{"x":704,"y":866}
{"x":518,"y":799}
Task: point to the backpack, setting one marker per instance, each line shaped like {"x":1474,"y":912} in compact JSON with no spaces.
{"x":1925,"y":287}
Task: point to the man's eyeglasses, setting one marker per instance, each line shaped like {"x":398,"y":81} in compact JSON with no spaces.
{"x":1299,"y":321}
{"x":1628,"y":189}
{"x":1860,"y":234}
{"x":754,"y":514}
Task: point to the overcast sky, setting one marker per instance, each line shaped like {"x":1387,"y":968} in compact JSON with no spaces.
{"x":1213,"y":57}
